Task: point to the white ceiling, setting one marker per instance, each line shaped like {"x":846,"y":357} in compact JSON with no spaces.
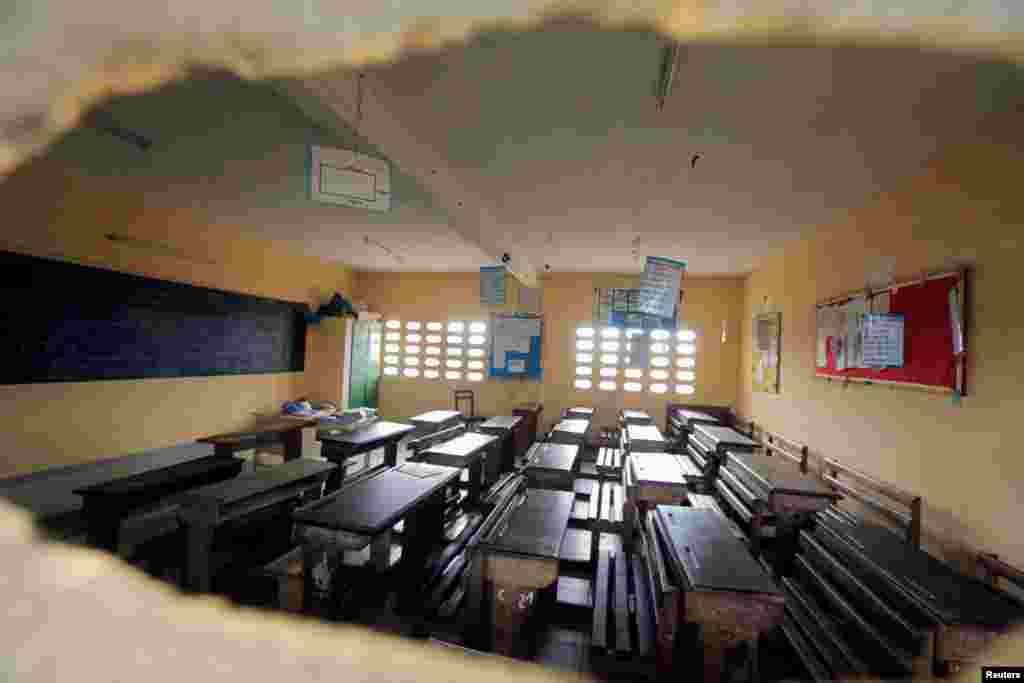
{"x":548,"y":145}
{"x":554,"y":135}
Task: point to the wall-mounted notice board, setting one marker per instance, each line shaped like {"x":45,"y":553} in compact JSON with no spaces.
{"x":516,"y":346}
{"x":909,"y":334}
{"x":64,"y":322}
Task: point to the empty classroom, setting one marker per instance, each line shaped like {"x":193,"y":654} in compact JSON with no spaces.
{"x":620,"y":348}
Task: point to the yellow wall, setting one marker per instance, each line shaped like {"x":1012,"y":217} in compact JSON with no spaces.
{"x":967,"y":207}
{"x":52,"y":210}
{"x":568,"y":300}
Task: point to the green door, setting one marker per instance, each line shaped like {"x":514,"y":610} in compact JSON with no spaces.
{"x":364,"y":364}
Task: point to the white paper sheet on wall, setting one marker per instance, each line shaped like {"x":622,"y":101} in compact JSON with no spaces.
{"x":822,"y":337}
{"x":883,"y":341}
{"x":882,"y":303}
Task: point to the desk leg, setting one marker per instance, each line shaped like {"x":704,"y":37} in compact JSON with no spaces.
{"x":423,"y":529}
{"x":391,"y":454}
{"x":198,"y":552}
{"x":380,"y":551}
{"x":476,"y":472}
{"x":292,"y":444}
{"x":103,"y":527}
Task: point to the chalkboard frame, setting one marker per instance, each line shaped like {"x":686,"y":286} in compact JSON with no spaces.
{"x":67,"y":322}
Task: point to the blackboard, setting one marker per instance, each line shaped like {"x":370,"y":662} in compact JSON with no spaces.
{"x":65,"y":322}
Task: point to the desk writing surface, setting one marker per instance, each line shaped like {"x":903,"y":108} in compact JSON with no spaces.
{"x":277,"y":425}
{"x":687,"y":467}
{"x":555,"y":456}
{"x":705,"y":555}
{"x":378,"y":431}
{"x":436,"y":417}
{"x":580,"y":411}
{"x":376,"y":503}
{"x":656,"y":468}
{"x":774,"y":474}
{"x":165,"y":480}
{"x":724,"y":436}
{"x":466,"y":447}
{"x":644,"y":433}
{"x":502,"y":422}
{"x":579,"y":427}
{"x":260,"y":481}
{"x":637,"y":415}
{"x":537,"y":526}
{"x":691,"y":417}
{"x":957,"y":599}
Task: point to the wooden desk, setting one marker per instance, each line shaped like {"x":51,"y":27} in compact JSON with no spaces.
{"x":643,"y":439}
{"x":519,"y":559}
{"x":708,"y":444}
{"x":579,"y":413}
{"x":339,"y":446}
{"x":634,"y":417}
{"x":962,"y":614}
{"x":465,"y":452}
{"x":551,"y":466}
{"x":107,"y":504}
{"x":364,"y":511}
{"x":681,"y":422}
{"x":203,"y":509}
{"x":651,"y":479}
{"x":783,"y":489}
{"x":728,"y":595}
{"x":436,"y":420}
{"x":280,"y":430}
{"x":570,"y":432}
{"x":530,"y":412}
{"x":504,"y":427}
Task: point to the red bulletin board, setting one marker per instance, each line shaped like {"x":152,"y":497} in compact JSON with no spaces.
{"x":929,"y":361}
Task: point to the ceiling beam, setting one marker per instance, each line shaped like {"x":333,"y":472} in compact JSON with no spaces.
{"x":361,"y":103}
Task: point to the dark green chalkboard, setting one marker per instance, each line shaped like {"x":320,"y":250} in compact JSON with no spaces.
{"x":65,"y":322}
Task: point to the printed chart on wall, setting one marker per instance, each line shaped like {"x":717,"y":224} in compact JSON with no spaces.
{"x":516,"y":346}
{"x":767,"y":356}
{"x":908,"y":334}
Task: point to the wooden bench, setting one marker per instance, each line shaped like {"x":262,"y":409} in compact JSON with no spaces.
{"x":586,"y":508}
{"x":206,"y":509}
{"x":107,"y":504}
{"x":609,"y":462}
{"x":898,"y":507}
{"x":610,"y":510}
{"x":871,"y":604}
{"x":623,"y":637}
